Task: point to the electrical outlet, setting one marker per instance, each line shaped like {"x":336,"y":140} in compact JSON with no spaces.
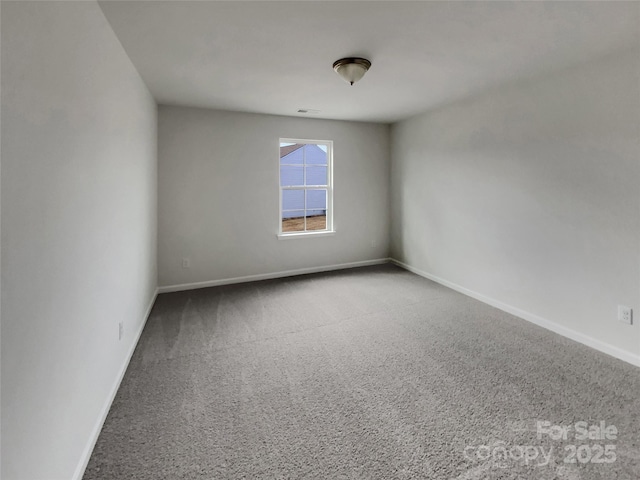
{"x":373,"y":244}
{"x":625,"y":314}
{"x":120,"y":330}
{"x":186,"y":263}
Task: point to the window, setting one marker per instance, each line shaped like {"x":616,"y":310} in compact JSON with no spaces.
{"x":306,"y":194}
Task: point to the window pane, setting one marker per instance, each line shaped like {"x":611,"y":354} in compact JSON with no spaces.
{"x":316,"y":154}
{"x":316,"y":175}
{"x":316,"y":200}
{"x":293,"y":222}
{"x":292,"y":200}
{"x":317,"y":222}
{"x":291,"y":176}
{"x":291,"y":153}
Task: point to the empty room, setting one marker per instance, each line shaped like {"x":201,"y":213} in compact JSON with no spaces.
{"x":320,"y":240}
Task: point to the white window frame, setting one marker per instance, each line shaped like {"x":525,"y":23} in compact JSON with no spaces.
{"x":309,"y":233}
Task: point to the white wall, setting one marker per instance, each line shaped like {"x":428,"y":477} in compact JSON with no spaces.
{"x":79,"y":206}
{"x":529,"y":195}
{"x":218,"y":194}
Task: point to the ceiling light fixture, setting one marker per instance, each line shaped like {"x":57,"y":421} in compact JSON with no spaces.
{"x":351,"y":69}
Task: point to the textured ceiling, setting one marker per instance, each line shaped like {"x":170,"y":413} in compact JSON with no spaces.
{"x":276,"y":57}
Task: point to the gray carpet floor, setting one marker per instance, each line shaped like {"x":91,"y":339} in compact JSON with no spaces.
{"x":369,"y":373}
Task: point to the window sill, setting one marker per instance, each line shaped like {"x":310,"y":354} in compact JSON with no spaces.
{"x":323,"y":233}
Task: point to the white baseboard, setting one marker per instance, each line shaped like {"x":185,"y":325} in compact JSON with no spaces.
{"x":267,"y":276}
{"x":91,"y":442}
{"x":542,"y":322}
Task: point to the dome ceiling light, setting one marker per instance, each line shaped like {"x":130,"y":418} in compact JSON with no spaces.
{"x":351,"y":69}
